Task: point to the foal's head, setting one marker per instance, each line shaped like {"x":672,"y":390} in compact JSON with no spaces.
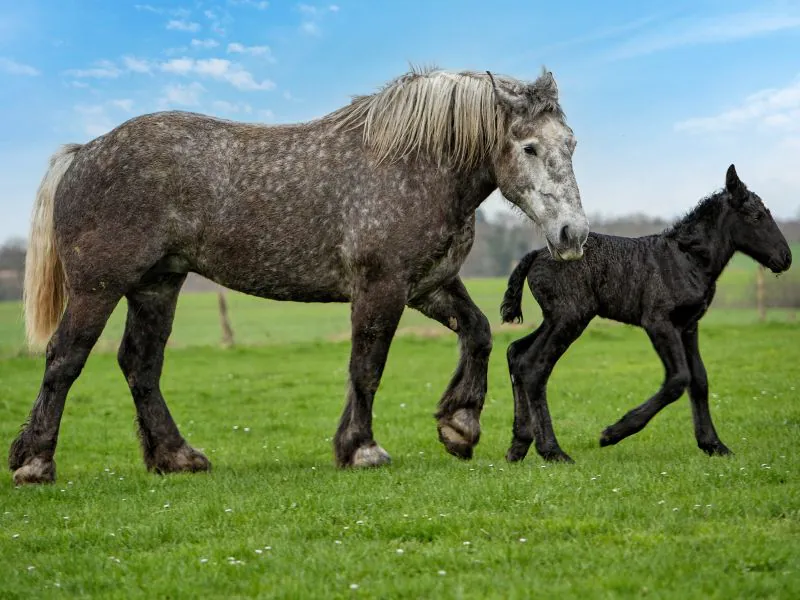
{"x":533,"y":166}
{"x":752,"y":228}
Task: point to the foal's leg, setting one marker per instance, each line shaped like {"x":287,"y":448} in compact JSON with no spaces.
{"x":531,"y":368}
{"x":32,"y":454}
{"x":523,"y":429}
{"x":151,"y":310}
{"x":460,"y":407}
{"x":375,"y":311}
{"x":667,"y":342}
{"x":704,"y":432}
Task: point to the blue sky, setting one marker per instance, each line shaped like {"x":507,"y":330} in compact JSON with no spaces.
{"x":662,"y":95}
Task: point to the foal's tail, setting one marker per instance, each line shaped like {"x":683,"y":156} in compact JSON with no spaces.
{"x":511,"y":308}
{"x":45,"y":291}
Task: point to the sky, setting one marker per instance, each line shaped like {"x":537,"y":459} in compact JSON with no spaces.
{"x":662,"y":96}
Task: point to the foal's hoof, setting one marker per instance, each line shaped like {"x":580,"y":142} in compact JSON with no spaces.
{"x":518,"y":451}
{"x":716,"y":449}
{"x":556,"y":456}
{"x":184,"y":459}
{"x":459,"y":433}
{"x":35,"y":470}
{"x":370,"y":456}
{"x":609,"y":437}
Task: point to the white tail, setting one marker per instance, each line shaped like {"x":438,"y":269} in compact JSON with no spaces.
{"x":45,"y":292}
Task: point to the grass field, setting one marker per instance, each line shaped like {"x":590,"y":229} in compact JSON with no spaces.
{"x":651,"y":517}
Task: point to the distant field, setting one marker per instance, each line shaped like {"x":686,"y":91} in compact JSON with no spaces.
{"x":258,"y":322}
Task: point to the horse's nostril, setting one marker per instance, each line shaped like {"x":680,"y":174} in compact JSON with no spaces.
{"x":563,"y":237}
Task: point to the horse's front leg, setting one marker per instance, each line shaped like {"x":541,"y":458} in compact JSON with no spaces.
{"x":376,"y":308}
{"x":459,"y":410}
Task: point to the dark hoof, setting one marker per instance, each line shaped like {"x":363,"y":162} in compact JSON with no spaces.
{"x":716,"y":449}
{"x":609,"y":438}
{"x":184,"y":460}
{"x":459,"y":433}
{"x":35,"y":470}
{"x":518,"y":451}
{"x":556,"y":456}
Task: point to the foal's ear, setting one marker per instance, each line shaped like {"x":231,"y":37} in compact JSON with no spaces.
{"x":734,"y":186}
{"x":508,"y":100}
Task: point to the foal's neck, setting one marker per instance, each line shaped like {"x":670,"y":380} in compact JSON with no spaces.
{"x":703,"y":236}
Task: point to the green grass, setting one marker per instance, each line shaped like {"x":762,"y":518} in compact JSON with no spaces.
{"x":652,"y":516}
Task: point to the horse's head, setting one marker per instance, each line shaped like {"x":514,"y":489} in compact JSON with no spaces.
{"x":752,"y":228}
{"x":533,"y":165}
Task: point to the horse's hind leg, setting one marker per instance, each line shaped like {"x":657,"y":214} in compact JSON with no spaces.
{"x":523,"y":434}
{"x":460,"y":408}
{"x":151,"y":310}
{"x":32,"y":454}
{"x":531,"y":369}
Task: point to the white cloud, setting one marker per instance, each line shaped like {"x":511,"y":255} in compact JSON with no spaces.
{"x":103,"y":69}
{"x":136,"y":65}
{"x":257,"y":4}
{"x":266,"y":115}
{"x":181,"y":66}
{"x":307,"y":9}
{"x":148,"y":8}
{"x":231,"y":107}
{"x":207,"y":43}
{"x":310,"y":28}
{"x":93,"y":119}
{"x":777,"y":108}
{"x":711,"y":30}
{"x":312,"y":15}
{"x":219,"y":69}
{"x":125,"y":104}
{"x":260,"y":51}
{"x":182,"y":95}
{"x":181,"y":25}
{"x":12,"y":67}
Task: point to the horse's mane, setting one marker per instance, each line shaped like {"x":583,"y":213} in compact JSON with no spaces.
{"x":451,"y":116}
{"x":691,"y":230}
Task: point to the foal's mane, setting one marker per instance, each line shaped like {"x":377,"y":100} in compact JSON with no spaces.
{"x":453,"y":117}
{"x":692,"y":230}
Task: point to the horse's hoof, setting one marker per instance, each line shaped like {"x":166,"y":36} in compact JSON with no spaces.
{"x":460,"y":433}
{"x":608,"y":437}
{"x":184,"y":459}
{"x":518,"y":451}
{"x":35,"y":470}
{"x":370,"y":456}
{"x":556,"y":456}
{"x":716,"y":449}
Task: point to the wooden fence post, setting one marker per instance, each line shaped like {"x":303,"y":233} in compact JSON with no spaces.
{"x":227,"y":330}
{"x":760,"y":303}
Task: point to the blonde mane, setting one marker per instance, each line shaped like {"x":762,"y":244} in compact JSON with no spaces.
{"x":451,"y":116}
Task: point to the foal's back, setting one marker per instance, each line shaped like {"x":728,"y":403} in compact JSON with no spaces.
{"x":615,"y":279}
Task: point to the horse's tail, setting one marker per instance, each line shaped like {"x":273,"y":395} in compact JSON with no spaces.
{"x":511,"y":308}
{"x":45,"y":291}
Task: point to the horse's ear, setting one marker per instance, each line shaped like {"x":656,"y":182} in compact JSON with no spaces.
{"x":734,"y":186}
{"x":509,"y":101}
{"x":547,"y":83}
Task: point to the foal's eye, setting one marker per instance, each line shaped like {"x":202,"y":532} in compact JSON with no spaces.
{"x":529,"y":150}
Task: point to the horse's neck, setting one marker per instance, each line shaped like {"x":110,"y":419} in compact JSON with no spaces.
{"x":472,"y":188}
{"x":709,"y":249}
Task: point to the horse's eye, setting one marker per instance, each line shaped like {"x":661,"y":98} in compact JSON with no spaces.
{"x":530,"y":150}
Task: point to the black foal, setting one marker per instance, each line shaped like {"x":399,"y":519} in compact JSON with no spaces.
{"x":663,"y":283}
